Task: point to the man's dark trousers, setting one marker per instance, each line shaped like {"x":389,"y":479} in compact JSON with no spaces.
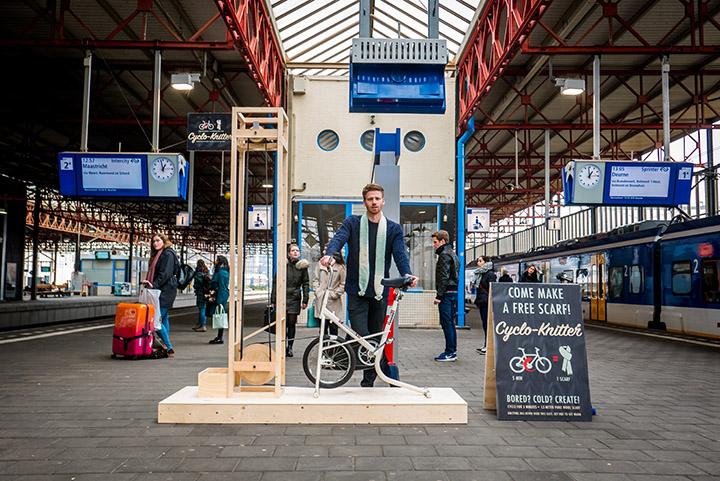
{"x":447,"y":308}
{"x":366,"y":317}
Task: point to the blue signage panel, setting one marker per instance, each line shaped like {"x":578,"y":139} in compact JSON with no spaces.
{"x":138,"y":175}
{"x":591,"y":182}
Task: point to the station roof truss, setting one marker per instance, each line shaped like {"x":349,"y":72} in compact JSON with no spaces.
{"x":232,"y":44}
{"x":514,"y":51}
{"x":504,"y":53}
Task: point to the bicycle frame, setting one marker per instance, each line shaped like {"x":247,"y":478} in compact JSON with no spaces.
{"x":354,"y":337}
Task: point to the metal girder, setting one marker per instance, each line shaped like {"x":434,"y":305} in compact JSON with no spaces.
{"x":252,"y":32}
{"x":693,"y":22}
{"x":60,"y":14}
{"x":499,"y":32}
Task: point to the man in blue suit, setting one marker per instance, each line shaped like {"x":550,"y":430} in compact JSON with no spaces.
{"x":372,"y":240}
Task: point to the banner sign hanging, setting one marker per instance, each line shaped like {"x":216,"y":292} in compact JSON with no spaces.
{"x":541,"y":370}
{"x":209,"y":131}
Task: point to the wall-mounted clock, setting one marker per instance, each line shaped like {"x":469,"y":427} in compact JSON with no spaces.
{"x":162,"y":169}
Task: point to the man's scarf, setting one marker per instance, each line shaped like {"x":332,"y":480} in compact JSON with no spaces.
{"x":364,"y":261}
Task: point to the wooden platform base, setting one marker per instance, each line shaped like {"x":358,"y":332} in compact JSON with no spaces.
{"x":382,"y":405}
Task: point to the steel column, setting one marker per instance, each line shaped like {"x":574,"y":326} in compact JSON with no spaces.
{"x":87,"y":62}
{"x":666,"y":106}
{"x":157,"y":77}
{"x":710,"y":177}
{"x":596,"y":107}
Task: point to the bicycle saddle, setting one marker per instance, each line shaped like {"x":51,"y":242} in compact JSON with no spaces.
{"x":401,"y":282}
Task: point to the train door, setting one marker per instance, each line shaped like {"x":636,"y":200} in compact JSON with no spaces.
{"x":597,"y":287}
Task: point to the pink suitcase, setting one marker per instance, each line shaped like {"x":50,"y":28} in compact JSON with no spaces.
{"x":134,"y":328}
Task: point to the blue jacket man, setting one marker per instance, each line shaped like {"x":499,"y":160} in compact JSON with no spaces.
{"x":366,"y":236}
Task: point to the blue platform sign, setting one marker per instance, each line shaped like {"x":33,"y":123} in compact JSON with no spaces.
{"x":119,"y":175}
{"x":592,"y":182}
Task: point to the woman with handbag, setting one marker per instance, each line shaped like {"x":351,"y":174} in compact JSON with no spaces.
{"x":201,"y":285}
{"x":482,"y":277}
{"x":220,"y":292}
{"x":161,"y":275}
{"x":335,"y":291}
{"x":297,"y":280}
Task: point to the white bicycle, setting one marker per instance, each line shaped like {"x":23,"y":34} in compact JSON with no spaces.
{"x":335,"y":358}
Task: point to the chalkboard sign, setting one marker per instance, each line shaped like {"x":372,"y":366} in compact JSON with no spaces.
{"x":539,"y":352}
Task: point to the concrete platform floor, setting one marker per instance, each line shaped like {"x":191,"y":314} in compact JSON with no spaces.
{"x":69,"y":412}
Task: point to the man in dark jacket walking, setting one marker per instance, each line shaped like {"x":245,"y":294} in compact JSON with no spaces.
{"x":446,"y":282}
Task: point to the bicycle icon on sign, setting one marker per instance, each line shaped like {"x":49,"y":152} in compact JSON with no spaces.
{"x":530,"y":362}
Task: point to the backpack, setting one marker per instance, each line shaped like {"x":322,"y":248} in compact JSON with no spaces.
{"x":183,"y":273}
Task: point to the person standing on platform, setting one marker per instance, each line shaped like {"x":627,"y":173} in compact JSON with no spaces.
{"x":220,"y":290}
{"x":482,"y":277}
{"x":446,"y":281}
{"x":372,"y":241}
{"x":504,"y":276}
{"x":161,"y":275}
{"x":201,"y":285}
{"x":335,"y":291}
{"x":530,"y":275}
{"x":297,"y":293}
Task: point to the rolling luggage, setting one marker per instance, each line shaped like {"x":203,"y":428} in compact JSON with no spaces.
{"x":133,"y":334}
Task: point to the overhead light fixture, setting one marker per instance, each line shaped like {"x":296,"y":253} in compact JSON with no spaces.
{"x":3,"y":211}
{"x":570,"y":86}
{"x":467,"y":185}
{"x":184,"y":81}
{"x":267,"y":186}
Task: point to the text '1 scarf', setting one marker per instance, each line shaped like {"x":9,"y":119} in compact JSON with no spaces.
{"x":364,"y":264}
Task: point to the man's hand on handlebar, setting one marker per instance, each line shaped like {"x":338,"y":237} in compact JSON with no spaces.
{"x":327,"y":261}
{"x":414,"y":282}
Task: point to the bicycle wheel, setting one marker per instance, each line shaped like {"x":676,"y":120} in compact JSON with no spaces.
{"x":516,"y":364}
{"x":543,"y":365}
{"x":337,"y":364}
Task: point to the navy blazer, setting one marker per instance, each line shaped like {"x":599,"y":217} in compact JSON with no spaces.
{"x":349,"y":233}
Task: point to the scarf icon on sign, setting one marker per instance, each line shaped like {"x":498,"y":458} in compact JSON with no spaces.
{"x":566,"y":353}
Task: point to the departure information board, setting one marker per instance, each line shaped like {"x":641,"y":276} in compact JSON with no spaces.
{"x":136,"y":175}
{"x":593,"y":182}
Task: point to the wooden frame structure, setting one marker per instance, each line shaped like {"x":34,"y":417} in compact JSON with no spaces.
{"x":254,"y":129}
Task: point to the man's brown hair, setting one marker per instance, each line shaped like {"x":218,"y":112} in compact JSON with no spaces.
{"x":372,"y":187}
{"x":442,"y":235}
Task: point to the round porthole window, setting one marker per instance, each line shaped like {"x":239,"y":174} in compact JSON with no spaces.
{"x":414,"y":141}
{"x":368,"y":139}
{"x":328,"y":140}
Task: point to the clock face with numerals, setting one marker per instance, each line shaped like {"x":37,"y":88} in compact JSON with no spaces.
{"x":162,"y":169}
{"x":589,"y":176}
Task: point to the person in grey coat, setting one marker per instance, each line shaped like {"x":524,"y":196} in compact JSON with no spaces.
{"x":297,"y":293}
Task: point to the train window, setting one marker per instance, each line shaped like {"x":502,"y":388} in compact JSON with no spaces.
{"x":637,"y":286}
{"x":582,"y":279}
{"x":593,"y":281}
{"x":681,"y":278}
{"x":615,"y":283}
{"x":711,"y":281}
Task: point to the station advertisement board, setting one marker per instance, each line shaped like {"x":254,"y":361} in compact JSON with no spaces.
{"x":541,"y":370}
{"x":209,"y":132}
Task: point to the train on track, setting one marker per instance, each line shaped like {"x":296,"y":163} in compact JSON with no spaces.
{"x":654,"y":274}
